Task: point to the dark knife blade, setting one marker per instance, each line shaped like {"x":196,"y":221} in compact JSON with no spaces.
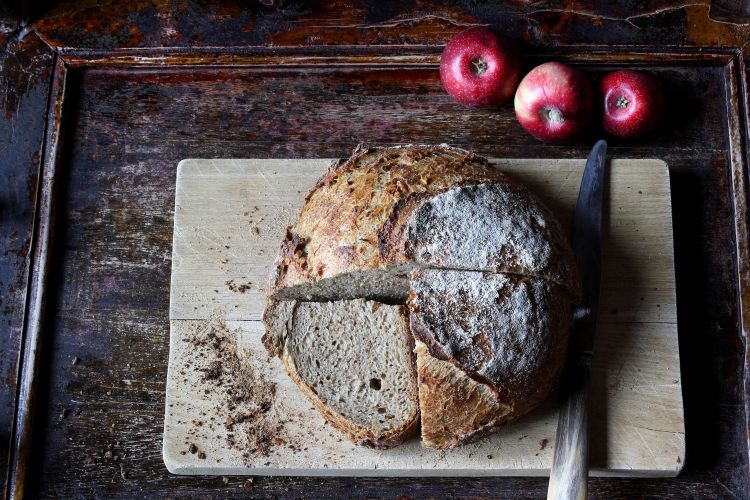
{"x":569,"y":473}
{"x":587,"y":246}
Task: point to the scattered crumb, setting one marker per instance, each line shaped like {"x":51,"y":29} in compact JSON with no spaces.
{"x":543,"y":443}
{"x":241,"y":288}
{"x":193,"y":449}
{"x":248,"y":485}
{"x":489,"y":457}
{"x":225,"y":480}
{"x":75,"y":361}
{"x":123,"y":472}
{"x":202,"y":455}
{"x":213,"y":371}
{"x":246,"y":405}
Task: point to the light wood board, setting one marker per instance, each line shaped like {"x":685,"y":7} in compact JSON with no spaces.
{"x":230,"y":216}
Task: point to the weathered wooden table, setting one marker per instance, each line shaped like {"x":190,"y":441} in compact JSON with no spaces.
{"x":101,"y":102}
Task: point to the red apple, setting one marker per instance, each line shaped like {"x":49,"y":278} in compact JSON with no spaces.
{"x":479,"y":68}
{"x":633,"y":103}
{"x":553,"y":102}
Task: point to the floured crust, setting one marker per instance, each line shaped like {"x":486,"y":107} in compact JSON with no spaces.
{"x":276,"y":316}
{"x":499,"y":228}
{"x":508,"y":331}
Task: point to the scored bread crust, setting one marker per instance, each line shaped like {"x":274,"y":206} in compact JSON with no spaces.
{"x":358,"y":217}
{"x":506,"y":332}
{"x":359,"y":435}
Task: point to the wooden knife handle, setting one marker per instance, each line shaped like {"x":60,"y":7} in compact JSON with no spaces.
{"x":570,"y":462}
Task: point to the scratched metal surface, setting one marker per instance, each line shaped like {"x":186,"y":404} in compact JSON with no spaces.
{"x":24,"y":89}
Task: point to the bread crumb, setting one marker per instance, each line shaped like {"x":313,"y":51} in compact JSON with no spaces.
{"x":246,"y":405}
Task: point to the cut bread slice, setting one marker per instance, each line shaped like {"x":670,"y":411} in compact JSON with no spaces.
{"x":390,"y":284}
{"x":354,"y":360}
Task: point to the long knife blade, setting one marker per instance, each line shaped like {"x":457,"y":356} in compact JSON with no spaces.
{"x":569,"y":473}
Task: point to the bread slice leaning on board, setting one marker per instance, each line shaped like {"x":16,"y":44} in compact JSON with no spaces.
{"x":485,"y":272}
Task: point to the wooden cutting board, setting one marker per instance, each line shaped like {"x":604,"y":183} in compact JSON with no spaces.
{"x":230,"y":409}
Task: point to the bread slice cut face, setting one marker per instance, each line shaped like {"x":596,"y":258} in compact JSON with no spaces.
{"x":429,"y":243}
{"x":354,"y":360}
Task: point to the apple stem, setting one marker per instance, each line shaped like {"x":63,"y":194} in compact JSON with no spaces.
{"x":553,"y":115}
{"x":622,"y":102}
{"x":479,"y":66}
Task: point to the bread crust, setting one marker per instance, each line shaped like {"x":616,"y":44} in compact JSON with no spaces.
{"x":455,"y":409}
{"x":359,"y":435}
{"x":357,"y":214}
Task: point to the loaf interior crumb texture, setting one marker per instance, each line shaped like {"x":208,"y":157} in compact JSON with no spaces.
{"x":490,"y":227}
{"x":390,"y":284}
{"x":510,"y":330}
{"x":454,"y":408}
{"x":356,"y":357}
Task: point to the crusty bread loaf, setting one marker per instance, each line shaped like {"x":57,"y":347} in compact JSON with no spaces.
{"x":354,"y":361}
{"x":484,"y":267}
{"x":386,"y":209}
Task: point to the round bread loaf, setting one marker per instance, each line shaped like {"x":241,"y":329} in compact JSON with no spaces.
{"x":484,"y":267}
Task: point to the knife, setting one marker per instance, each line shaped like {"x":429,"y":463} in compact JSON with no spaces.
{"x":570,"y":462}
